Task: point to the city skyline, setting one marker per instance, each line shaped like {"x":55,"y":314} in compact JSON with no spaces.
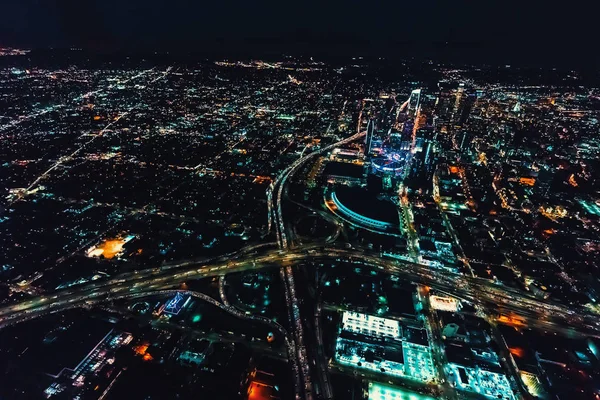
{"x":296,"y":228}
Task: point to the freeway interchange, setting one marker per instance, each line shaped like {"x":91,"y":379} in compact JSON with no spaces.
{"x":496,"y":300}
{"x":493,"y":298}
{"x":285,"y":240}
{"x":479,"y":291}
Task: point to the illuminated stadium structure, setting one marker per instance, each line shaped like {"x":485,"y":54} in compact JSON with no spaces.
{"x":373,"y":223}
{"x":390,"y":163}
{"x":356,"y":208}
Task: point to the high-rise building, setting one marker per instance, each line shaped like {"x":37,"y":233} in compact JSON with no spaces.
{"x":443,"y":105}
{"x":543,"y":182}
{"x":463,"y":140}
{"x":463,"y":105}
{"x":466,"y":107}
{"x":369,"y":138}
{"x":414,"y":101}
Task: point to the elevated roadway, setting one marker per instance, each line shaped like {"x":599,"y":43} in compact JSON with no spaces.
{"x":496,"y":298}
{"x":285,"y":240}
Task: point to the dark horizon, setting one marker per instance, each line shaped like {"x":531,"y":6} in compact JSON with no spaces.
{"x":458,"y":54}
{"x":508,"y":33}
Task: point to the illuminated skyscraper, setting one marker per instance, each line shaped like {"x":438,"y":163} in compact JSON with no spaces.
{"x":444,"y":106}
{"x":544,"y":182}
{"x":369,"y":138}
{"x":463,"y":105}
{"x":414,"y":101}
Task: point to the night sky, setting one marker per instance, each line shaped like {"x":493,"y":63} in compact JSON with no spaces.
{"x":525,"y":30}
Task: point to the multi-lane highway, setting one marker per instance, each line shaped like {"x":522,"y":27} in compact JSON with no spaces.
{"x":509,"y":302}
{"x":285,"y":240}
{"x":497,"y":298}
{"x":506,"y":303}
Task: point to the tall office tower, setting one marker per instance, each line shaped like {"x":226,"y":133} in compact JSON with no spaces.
{"x":369,"y":138}
{"x":427,"y":153}
{"x":463,"y":105}
{"x":427,"y":102}
{"x":414,"y":102}
{"x":466,"y":107}
{"x":428,"y":138}
{"x":444,"y":102}
{"x":458,"y":99}
{"x":543,"y":182}
{"x":444,"y":106}
{"x":463,"y":140}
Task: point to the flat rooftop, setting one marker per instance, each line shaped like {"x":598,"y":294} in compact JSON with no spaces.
{"x":370,"y":325}
{"x":381,"y":391}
